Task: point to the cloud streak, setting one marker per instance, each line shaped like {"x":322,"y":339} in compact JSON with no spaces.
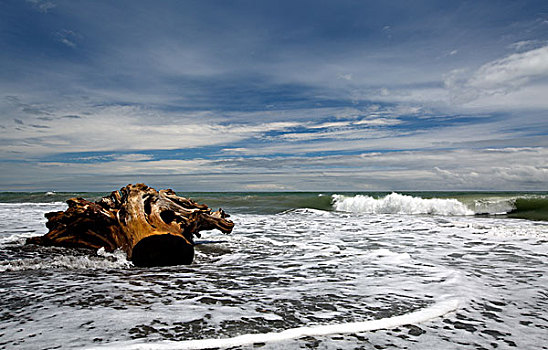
{"x":262,"y":95}
{"x":503,"y":77}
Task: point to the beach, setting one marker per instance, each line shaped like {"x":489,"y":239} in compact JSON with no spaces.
{"x":300,"y":270}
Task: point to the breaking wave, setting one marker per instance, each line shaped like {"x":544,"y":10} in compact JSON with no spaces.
{"x":531,"y":207}
{"x":396,"y":203}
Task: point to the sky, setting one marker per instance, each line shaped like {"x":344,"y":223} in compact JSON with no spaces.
{"x":274,"y":95}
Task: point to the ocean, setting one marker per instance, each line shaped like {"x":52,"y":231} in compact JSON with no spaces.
{"x":421,"y":270}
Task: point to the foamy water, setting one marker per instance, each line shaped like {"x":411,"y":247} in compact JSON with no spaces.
{"x":437,"y":310}
{"x":304,"y":278}
{"x":396,"y":203}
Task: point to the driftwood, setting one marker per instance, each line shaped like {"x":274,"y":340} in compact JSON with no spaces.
{"x":152,"y":227}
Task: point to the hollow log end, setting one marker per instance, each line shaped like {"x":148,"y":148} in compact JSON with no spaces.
{"x":162,"y":250}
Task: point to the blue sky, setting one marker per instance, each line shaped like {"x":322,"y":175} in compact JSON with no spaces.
{"x":274,"y":95}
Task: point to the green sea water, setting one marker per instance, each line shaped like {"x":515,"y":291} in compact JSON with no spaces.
{"x":524,"y":205}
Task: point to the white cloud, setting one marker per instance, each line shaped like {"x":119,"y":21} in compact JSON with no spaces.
{"x":42,"y":5}
{"x":67,"y":42}
{"x":517,"y":81}
{"x":133,"y":157}
{"x":472,"y":169}
{"x":500,"y":83}
{"x":424,"y":96}
{"x":378,"y":122}
{"x":525,"y":45}
{"x":234,"y":151}
{"x":496,"y":133}
{"x":330,"y":125}
{"x":347,"y":76}
{"x":127,"y":128}
{"x":265,"y":187}
{"x":512,"y":71}
{"x":68,"y":37}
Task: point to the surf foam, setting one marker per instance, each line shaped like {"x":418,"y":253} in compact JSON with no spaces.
{"x":104,"y":260}
{"x":437,"y":310}
{"x":396,"y":203}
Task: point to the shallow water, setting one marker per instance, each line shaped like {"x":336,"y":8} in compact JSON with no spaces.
{"x":302,"y":267}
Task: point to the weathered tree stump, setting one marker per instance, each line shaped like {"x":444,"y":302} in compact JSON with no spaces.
{"x":153,"y":228}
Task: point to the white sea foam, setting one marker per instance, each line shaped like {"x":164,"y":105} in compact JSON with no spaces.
{"x":25,"y":205}
{"x":437,"y":310}
{"x":385,"y":256}
{"x":281,"y":271}
{"x":494,"y":206}
{"x":104,"y":260}
{"x":396,"y":203}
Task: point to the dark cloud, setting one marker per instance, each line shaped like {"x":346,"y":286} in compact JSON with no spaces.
{"x":34,"y":111}
{"x":12,"y":99}
{"x":71,"y":116}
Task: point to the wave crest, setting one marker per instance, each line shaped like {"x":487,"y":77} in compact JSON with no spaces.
{"x":396,"y":203}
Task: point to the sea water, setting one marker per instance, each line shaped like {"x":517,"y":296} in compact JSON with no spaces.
{"x":300,"y":270}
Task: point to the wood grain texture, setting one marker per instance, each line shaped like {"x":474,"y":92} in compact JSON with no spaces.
{"x":128,"y":218}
